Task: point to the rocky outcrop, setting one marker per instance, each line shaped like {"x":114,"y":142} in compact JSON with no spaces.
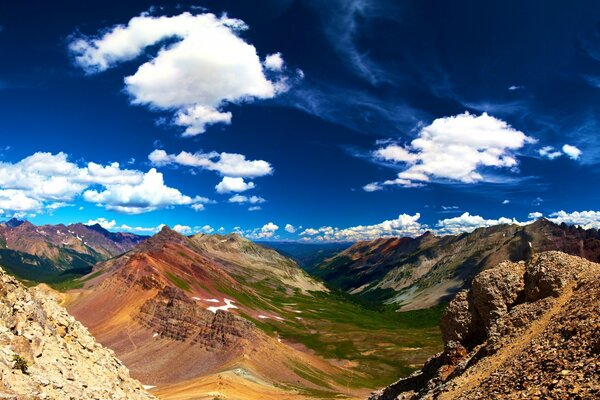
{"x":46,"y":354}
{"x":523,"y":331}
{"x":173,"y":315}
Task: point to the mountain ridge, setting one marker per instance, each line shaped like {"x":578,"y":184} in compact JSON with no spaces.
{"x":424,"y":271}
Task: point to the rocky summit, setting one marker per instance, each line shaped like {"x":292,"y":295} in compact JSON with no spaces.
{"x":46,"y":354}
{"x":526,"y":330}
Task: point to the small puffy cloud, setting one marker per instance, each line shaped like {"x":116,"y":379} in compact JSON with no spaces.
{"x":46,"y":181}
{"x":267,"y":231}
{"x":254,"y":208}
{"x":549,"y":152}
{"x":103,"y":222}
{"x":225,"y":164}
{"x":228,"y":185}
{"x":241,"y":199}
{"x":274,"y":62}
{"x":535,"y":215}
{"x":372,"y":187}
{"x":505,"y":201}
{"x":571,"y":151}
{"x":455,"y":149}
{"x":183,"y":229}
{"x":585,"y":219}
{"x":202,"y":65}
{"x":514,"y":87}
{"x":289,"y":228}
{"x":404,"y":225}
{"x":198,"y":207}
{"x":206,"y":229}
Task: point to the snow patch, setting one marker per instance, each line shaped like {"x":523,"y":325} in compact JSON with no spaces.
{"x":148,"y":387}
{"x":212,"y":300}
{"x":226,"y":307}
{"x":263,"y":317}
{"x":155,"y":335}
{"x":195,"y":298}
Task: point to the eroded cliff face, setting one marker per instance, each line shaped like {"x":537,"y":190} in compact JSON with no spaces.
{"x":523,"y":331}
{"x":46,"y":354}
{"x":173,"y":315}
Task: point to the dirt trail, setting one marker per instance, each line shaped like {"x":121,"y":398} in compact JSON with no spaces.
{"x":485,"y":367}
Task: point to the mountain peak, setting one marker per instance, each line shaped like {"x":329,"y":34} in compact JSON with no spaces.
{"x":98,"y":228}
{"x":14,"y":222}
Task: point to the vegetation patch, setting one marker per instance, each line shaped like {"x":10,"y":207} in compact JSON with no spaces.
{"x":179,"y":282}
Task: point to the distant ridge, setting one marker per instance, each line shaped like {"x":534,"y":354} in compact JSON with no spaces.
{"x":423,"y":271}
{"x":52,"y":253}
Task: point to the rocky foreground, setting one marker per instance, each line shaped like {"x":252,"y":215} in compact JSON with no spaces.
{"x":46,"y":354}
{"x":522,"y":331}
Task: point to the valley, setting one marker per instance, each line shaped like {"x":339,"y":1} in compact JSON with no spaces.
{"x":219,"y":316}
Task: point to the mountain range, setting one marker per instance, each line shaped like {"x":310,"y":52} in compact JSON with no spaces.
{"x":421,"y":272}
{"x":55,"y":253}
{"x":220,"y":316}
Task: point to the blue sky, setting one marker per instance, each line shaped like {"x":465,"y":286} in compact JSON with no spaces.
{"x":344,"y":119}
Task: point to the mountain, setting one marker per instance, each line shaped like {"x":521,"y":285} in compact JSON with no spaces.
{"x":51,"y":253}
{"x":308,"y":255}
{"x":46,"y":354}
{"x":188,"y":313}
{"x":172,"y":311}
{"x":423,"y":271}
{"x":522,"y":331}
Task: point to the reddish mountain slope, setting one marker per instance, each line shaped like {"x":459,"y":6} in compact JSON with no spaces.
{"x":172,"y":314}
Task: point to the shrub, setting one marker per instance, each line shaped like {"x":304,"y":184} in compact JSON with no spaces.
{"x":20,"y":363}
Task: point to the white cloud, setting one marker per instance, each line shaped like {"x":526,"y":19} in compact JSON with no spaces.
{"x":468,"y":223}
{"x":549,"y":152}
{"x":241,"y":199}
{"x":274,"y":62}
{"x":183,"y":229}
{"x":228,"y":185}
{"x":571,"y":151}
{"x":585,"y":219}
{"x":226,"y":164}
{"x":112,"y":225}
{"x":49,"y":181}
{"x":505,"y":201}
{"x":103,"y":222}
{"x":290,"y":228}
{"x":514,"y":87}
{"x":149,"y":195}
{"x":205,"y":67}
{"x":455,"y":149}
{"x":535,"y":215}
{"x":206,"y":229}
{"x":255,"y":208}
{"x":372,"y":187}
{"x":404,"y":225}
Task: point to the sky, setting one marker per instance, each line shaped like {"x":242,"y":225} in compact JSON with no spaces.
{"x":318,"y":120}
